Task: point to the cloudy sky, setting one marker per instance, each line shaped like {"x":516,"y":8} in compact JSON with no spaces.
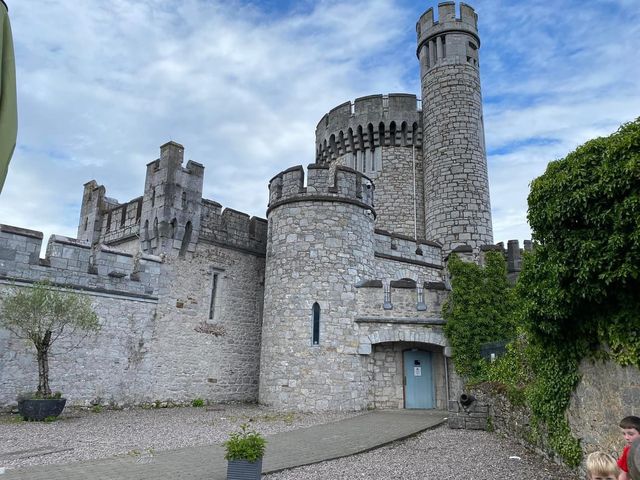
{"x":242,"y":84}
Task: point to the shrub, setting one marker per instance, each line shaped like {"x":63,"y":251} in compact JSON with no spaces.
{"x":245,"y":445}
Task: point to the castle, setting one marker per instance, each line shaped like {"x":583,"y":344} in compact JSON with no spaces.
{"x":332,"y":303}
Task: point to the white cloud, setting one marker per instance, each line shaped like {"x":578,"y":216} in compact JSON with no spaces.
{"x":103,"y":84}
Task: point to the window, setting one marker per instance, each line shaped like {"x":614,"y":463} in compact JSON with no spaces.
{"x":186,"y":238}
{"x":315,"y":335}
{"x":214,"y":292}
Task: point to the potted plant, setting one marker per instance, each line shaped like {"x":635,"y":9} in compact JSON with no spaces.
{"x":43,"y":314}
{"x":244,"y":452}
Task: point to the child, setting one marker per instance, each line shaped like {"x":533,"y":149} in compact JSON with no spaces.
{"x":630,"y":427}
{"x":602,"y":466}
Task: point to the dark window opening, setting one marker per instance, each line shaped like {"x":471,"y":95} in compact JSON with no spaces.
{"x":315,"y":338}
{"x":214,"y":288}
{"x":186,"y":239}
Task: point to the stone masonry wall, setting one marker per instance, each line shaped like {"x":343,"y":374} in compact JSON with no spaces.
{"x":120,"y":374}
{"x":320,"y":244}
{"x":394,"y":193}
{"x":157,"y":342}
{"x":317,"y":253}
{"x":606,"y":393}
{"x":456,"y":184}
{"x":217,"y":358}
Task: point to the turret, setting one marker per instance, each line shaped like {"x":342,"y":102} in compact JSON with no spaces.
{"x":91,"y":212}
{"x":320,"y":245}
{"x":380,"y":136}
{"x":456,"y":187}
{"x":172,"y":203}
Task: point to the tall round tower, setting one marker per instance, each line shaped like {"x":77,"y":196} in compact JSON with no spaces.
{"x":319,"y":246}
{"x":456,"y":185}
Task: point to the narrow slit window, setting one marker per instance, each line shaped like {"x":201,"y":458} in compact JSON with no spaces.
{"x":214,"y":291}
{"x":315,"y":336}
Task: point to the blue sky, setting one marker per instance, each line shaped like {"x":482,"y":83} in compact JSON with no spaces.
{"x":242,"y":85}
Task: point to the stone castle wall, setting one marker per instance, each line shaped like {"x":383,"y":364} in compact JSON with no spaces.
{"x":155,"y":317}
{"x":124,"y":293}
{"x":209,"y":347}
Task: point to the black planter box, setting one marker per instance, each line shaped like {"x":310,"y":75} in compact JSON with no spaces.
{"x":244,"y":470}
{"x":40,"y":408}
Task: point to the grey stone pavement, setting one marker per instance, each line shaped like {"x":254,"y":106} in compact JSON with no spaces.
{"x":284,"y":450}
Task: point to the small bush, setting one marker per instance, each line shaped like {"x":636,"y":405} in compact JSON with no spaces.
{"x":197,"y":402}
{"x":245,"y":445}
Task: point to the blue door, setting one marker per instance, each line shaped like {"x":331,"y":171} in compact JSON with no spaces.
{"x":418,"y":387}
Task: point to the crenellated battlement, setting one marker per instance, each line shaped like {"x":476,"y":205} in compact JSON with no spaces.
{"x":233,"y":229}
{"x":74,"y":263}
{"x":369,"y":122}
{"x":428,"y":26}
{"x":449,"y":39}
{"x":339,"y":184}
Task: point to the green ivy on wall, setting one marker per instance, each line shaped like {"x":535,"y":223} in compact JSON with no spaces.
{"x":577,"y":294}
{"x":479,"y":310}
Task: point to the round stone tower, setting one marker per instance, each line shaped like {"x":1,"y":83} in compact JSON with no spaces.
{"x":319,"y":245}
{"x":456,"y":186}
{"x":381,"y":136}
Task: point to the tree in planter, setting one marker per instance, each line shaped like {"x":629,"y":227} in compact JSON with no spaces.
{"x":43,"y":314}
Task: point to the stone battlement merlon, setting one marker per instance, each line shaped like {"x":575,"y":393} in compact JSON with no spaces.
{"x":339,"y":184}
{"x":428,"y":27}
{"x":372,"y":121}
{"x":229,"y":227}
{"x":74,"y":263}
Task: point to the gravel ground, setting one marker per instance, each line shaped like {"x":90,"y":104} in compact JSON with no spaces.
{"x":440,"y":453}
{"x":85,"y":435}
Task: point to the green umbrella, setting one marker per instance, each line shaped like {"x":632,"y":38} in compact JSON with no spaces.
{"x":8,"y":101}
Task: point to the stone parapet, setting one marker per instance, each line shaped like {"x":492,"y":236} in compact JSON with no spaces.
{"x":228,"y":227}
{"x":324,"y":184}
{"x":428,"y":27}
{"x":73,"y":263}
{"x":369,"y":122}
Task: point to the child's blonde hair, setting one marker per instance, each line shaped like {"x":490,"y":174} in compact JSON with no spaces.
{"x":602,"y":465}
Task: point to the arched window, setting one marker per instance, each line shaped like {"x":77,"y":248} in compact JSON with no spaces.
{"x":315,"y":334}
{"x":184,"y":200}
{"x":153,"y":197}
{"x":174,"y":228}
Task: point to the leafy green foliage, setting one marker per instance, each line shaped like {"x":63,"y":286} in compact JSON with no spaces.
{"x":197,"y":402}
{"x":479,"y":310}
{"x":579,"y":289}
{"x":245,"y":445}
{"x":43,"y":314}
{"x":584,"y":277}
